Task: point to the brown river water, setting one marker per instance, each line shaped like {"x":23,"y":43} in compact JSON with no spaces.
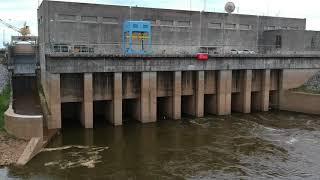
{"x":272,"y":145}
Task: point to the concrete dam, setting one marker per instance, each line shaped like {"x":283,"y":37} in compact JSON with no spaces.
{"x":118,"y":92}
{"x":148,"y":90}
{"x":123,"y":63}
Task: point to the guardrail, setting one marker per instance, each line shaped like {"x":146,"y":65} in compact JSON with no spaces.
{"x":166,"y":49}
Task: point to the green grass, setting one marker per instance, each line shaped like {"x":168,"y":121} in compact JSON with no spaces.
{"x":4,"y":103}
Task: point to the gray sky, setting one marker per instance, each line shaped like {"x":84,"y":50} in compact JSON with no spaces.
{"x":16,"y":12}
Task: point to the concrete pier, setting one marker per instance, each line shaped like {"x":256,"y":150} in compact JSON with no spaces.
{"x":87,"y":104}
{"x":54,"y":101}
{"x":199,"y":96}
{"x":242,"y":101}
{"x":117,"y":100}
{"x":176,"y":97}
{"x":148,"y":97}
{"x":224,"y":84}
{"x":265,"y":91}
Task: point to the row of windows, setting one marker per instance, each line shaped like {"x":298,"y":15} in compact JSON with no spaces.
{"x":229,"y":26}
{"x":280,"y":27}
{"x":213,"y":25}
{"x":64,"y":17}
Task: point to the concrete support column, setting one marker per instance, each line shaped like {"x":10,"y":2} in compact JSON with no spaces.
{"x":87,"y":104}
{"x":245,"y":94}
{"x":148,"y":97}
{"x":199,"y":96}
{"x":265,"y":90}
{"x":117,"y":99}
{"x":54,"y":101}
{"x":176,"y":96}
{"x":224,"y":90}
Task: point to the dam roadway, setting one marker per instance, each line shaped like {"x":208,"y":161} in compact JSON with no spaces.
{"x":148,"y":88}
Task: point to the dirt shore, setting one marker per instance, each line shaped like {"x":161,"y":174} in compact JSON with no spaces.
{"x":10,"y":149}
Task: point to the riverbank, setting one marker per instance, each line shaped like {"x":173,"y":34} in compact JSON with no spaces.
{"x":10,"y":149}
{"x":311,"y":86}
{"x":4,"y":104}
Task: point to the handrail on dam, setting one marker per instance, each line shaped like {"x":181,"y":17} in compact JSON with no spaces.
{"x":158,"y":49}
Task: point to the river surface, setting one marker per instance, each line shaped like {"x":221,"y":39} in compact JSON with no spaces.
{"x":272,"y":145}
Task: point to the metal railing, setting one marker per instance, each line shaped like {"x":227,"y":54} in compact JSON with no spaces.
{"x":167,"y":49}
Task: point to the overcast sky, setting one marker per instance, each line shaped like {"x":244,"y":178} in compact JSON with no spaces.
{"x":16,"y":12}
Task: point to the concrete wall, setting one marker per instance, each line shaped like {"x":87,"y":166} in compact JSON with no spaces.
{"x":293,"y":78}
{"x":293,"y":42}
{"x":67,"y":64}
{"x":300,"y":102}
{"x":23,"y":126}
{"x":174,"y":31}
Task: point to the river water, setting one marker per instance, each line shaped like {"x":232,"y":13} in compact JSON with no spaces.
{"x":272,"y":145}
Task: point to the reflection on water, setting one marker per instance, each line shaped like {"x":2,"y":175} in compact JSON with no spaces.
{"x":279,"y":145}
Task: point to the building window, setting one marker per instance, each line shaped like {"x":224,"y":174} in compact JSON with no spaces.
{"x":66,"y":17}
{"x":244,"y":27}
{"x":110,"y":20}
{"x":230,"y":26}
{"x":270,"y":28}
{"x":278,"y":41}
{"x":89,"y":18}
{"x":293,"y":28}
{"x":214,"y":25}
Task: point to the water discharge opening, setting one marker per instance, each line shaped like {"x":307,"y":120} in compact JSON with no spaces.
{"x":210,"y":104}
{"x":101,"y":112}
{"x":274,"y":99}
{"x":130,"y":110}
{"x":71,"y":115}
{"x":236,"y":105}
{"x":255,"y":101}
{"x":164,"y":108}
{"x":187,"y":106}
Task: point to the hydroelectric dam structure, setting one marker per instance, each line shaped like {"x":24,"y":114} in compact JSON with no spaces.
{"x":123,"y":63}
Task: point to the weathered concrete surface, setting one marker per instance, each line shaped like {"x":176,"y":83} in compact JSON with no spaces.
{"x":148,"y":97}
{"x":87,"y":104}
{"x":23,"y":126}
{"x":199,"y":96}
{"x":293,"y":78}
{"x":33,"y":148}
{"x":300,"y":102}
{"x":173,"y":31}
{"x":265,"y":91}
{"x":176,"y":98}
{"x":224,"y":83}
{"x":114,"y":64}
{"x":117,"y":100}
{"x":242,"y":101}
{"x":54,"y":101}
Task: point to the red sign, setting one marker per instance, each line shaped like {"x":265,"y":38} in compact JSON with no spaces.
{"x":202,"y":56}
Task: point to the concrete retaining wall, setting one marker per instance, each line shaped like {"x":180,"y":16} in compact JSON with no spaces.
{"x":21,"y":126}
{"x":300,"y":102}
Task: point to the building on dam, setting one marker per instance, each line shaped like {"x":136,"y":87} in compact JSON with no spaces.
{"x":129,"y":63}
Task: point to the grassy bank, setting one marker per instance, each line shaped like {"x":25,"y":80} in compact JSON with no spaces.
{"x":306,"y":89}
{"x":4,"y":103}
